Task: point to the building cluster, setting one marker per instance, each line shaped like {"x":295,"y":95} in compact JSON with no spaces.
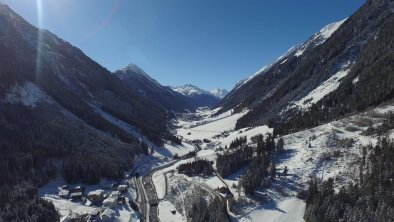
{"x":106,"y":199}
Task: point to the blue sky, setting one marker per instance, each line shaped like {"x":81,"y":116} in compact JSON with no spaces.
{"x":208,"y":43}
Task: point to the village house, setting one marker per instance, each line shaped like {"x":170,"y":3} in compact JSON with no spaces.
{"x":64,"y":193}
{"x":76,"y":193}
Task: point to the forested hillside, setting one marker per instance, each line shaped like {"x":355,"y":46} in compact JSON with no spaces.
{"x":370,"y":199}
{"x":360,"y":47}
{"x":52,"y":104}
{"x":369,"y":83}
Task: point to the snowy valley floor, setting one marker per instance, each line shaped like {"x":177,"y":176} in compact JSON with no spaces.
{"x":330,"y":150}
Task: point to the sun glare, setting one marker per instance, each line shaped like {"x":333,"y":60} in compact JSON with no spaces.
{"x":39,"y":37}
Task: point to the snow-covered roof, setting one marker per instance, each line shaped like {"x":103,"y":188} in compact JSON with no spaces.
{"x":96,"y":192}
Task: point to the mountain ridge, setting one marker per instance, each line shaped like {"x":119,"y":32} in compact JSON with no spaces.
{"x":200,"y":96}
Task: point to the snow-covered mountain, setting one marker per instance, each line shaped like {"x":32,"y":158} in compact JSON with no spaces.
{"x":220,"y":93}
{"x":246,"y":87}
{"x":307,"y":74}
{"x":190,"y":90}
{"x":201,"y":97}
{"x":133,"y":69}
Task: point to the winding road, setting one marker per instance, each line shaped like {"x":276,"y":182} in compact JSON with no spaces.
{"x":147,"y":196}
{"x":142,"y":199}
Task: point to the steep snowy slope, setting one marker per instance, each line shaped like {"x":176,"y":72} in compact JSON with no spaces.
{"x":310,"y":72}
{"x":270,"y":75}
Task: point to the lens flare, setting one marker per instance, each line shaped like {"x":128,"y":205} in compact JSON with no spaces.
{"x":39,"y":37}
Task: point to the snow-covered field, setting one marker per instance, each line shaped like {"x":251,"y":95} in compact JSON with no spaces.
{"x":214,"y":126}
{"x":165,"y":211}
{"x":287,"y":210}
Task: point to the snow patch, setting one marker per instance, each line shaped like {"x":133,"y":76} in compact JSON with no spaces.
{"x":290,"y":209}
{"x":68,"y":209}
{"x":219,"y":93}
{"x":320,"y":37}
{"x":165,"y":212}
{"x":27,"y":94}
{"x":133,"y":69}
{"x":327,"y":31}
{"x":211,"y":129}
{"x":321,"y":91}
{"x":355,"y":80}
{"x":190,"y":90}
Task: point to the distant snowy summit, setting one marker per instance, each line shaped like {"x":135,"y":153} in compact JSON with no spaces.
{"x":187,"y":97}
{"x":201,"y":97}
{"x":133,"y":69}
{"x":191,"y":90}
{"x":220,"y":93}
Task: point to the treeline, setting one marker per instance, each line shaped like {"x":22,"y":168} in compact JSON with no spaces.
{"x":370,"y":199}
{"x":196,"y":168}
{"x":231,"y":161}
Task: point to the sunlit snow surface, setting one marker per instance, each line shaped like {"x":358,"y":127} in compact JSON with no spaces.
{"x":314,"y":153}
{"x":320,"y":37}
{"x":322,"y":90}
{"x":287,"y":210}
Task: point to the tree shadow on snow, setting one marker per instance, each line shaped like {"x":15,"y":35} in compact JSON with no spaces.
{"x":285,"y":155}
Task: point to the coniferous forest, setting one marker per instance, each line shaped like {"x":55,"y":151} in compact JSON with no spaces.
{"x":371,"y":198}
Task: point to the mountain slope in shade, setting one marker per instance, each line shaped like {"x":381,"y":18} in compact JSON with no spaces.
{"x":199,"y":96}
{"x":56,"y":102}
{"x":149,"y":89}
{"x":267,"y":78}
{"x":71,"y":78}
{"x":272,"y":94}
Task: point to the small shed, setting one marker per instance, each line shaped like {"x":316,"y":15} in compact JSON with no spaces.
{"x":76,"y":193}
